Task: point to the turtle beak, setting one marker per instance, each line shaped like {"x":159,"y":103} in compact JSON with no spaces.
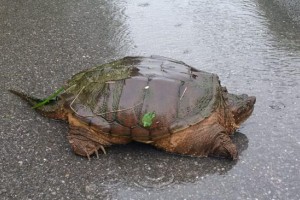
{"x":252,"y":100}
{"x":241,"y":106}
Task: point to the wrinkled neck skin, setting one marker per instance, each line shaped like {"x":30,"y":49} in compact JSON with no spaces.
{"x":241,"y":106}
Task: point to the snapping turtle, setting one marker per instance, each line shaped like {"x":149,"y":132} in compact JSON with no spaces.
{"x":154,"y":100}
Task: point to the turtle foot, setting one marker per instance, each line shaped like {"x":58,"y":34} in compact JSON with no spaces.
{"x":223,"y":147}
{"x":85,"y":148}
{"x":82,"y":144}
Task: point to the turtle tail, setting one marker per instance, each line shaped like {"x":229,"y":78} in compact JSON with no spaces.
{"x":51,"y":109}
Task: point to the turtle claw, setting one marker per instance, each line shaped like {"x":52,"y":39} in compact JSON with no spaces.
{"x":103,"y":150}
{"x":97,"y":154}
{"x":88,"y":156}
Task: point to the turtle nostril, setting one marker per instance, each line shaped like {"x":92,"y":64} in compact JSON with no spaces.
{"x":252,"y":100}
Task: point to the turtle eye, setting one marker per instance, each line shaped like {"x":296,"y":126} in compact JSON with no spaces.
{"x":224,"y":89}
{"x":194,"y":76}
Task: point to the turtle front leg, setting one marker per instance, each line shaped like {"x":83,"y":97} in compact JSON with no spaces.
{"x":202,"y":141}
{"x":86,"y":142}
{"x":224,"y":147}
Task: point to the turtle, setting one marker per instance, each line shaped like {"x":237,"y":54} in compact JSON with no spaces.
{"x":154,"y":100}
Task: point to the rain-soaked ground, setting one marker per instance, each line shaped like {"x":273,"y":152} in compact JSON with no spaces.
{"x":250,"y":44}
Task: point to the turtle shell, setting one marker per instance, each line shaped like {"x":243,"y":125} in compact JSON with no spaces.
{"x":144,"y":98}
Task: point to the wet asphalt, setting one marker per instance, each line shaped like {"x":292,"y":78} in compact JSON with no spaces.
{"x":252,"y":45}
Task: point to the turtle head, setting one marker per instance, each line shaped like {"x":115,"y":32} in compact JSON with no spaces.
{"x":241,"y":106}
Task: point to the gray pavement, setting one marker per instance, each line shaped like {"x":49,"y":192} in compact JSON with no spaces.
{"x":291,"y":7}
{"x":251,"y":45}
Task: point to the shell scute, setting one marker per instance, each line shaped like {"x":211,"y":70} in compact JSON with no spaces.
{"x":115,"y":96}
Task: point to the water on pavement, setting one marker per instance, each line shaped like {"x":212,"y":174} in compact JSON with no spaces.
{"x":251,"y":45}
